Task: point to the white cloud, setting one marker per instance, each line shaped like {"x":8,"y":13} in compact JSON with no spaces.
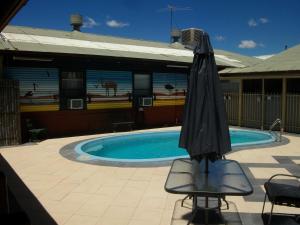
{"x":116,"y":24}
{"x":248,"y":44}
{"x":90,"y":23}
{"x":220,"y":38}
{"x":252,"y":23}
{"x":263,"y":20}
{"x":255,"y":22}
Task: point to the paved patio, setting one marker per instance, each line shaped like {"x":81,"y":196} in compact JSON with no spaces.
{"x":76,"y":193}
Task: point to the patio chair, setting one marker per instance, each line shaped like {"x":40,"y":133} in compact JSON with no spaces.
{"x":35,"y":134}
{"x":283,"y":194}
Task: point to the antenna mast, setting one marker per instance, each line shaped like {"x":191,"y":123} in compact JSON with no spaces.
{"x":172,"y":9}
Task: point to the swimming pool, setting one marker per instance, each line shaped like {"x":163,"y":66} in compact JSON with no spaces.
{"x":154,"y":146}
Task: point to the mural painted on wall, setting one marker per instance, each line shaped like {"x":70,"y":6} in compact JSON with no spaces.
{"x":39,"y":87}
{"x":169,"y":88}
{"x":108,"y":89}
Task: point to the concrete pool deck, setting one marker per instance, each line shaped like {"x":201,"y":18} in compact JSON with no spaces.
{"x":72,"y":193}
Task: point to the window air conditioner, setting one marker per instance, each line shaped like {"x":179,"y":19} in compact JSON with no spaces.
{"x":76,"y":103}
{"x":146,"y":101}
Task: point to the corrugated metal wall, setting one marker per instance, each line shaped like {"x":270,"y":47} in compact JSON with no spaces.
{"x":39,"y":87}
{"x":169,"y":88}
{"x":10,"y":131}
{"x":108,"y":89}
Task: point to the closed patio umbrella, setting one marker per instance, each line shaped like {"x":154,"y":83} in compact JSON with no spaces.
{"x":204,"y":132}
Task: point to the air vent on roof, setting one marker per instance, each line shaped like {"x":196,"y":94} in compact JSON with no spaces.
{"x":191,"y":36}
{"x":76,"y":21}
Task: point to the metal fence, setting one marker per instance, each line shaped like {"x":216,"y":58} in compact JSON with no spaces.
{"x":257,"y":113}
{"x":251,"y":110}
{"x":272,"y":109}
{"x":10,"y":131}
{"x":292,"y":113}
{"x":231,"y":100}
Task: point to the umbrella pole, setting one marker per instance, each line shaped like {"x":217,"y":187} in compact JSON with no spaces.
{"x":206,"y":198}
{"x":206,"y":165}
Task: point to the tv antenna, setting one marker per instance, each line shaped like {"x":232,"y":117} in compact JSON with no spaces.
{"x":172,"y":10}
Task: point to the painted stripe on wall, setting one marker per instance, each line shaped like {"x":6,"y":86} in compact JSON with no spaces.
{"x":168,"y":102}
{"x":110,"y":105}
{"x":38,"y":108}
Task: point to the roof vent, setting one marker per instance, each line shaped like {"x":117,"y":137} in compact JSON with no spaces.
{"x":76,"y":21}
{"x":175,"y":35}
{"x":190,"y":36}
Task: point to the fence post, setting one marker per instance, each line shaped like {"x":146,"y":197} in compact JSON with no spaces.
{"x":262,"y":104}
{"x":1,"y":67}
{"x":240,"y":102}
{"x":283,"y":104}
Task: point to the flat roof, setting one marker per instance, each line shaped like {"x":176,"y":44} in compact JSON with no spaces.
{"x":27,"y":39}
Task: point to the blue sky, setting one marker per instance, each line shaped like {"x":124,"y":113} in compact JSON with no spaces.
{"x":256,"y":27}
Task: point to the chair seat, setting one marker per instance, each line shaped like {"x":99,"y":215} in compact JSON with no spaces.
{"x":279,"y":219}
{"x":283,"y":194}
{"x":37,"y":130}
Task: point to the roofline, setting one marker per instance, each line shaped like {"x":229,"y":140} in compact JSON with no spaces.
{"x":259,"y":75}
{"x":59,"y":54}
{"x":97,"y":35}
{"x":12,"y":10}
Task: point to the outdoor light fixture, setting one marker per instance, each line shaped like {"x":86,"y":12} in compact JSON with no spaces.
{"x":177,"y":66}
{"x":21,"y":58}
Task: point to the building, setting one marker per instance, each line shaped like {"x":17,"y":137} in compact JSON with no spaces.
{"x":74,"y":83}
{"x":257,"y":95}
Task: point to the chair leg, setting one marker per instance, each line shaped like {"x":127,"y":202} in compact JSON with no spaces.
{"x":182,"y":201}
{"x":271,"y":213}
{"x":262,"y":212}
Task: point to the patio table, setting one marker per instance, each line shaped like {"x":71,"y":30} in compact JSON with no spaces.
{"x":225,"y":178}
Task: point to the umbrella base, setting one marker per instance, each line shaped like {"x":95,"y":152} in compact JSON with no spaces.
{"x":183,"y":215}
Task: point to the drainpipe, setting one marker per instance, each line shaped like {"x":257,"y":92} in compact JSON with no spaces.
{"x":240,"y":102}
{"x":283,"y":106}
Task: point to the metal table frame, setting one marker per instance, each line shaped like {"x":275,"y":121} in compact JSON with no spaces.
{"x":225,"y":178}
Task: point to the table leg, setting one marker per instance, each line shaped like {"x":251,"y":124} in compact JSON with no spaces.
{"x":206,"y":211}
{"x":194,"y":209}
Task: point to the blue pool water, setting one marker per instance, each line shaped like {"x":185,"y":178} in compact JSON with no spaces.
{"x":156,"y":146}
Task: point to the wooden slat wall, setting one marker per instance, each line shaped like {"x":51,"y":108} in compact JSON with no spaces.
{"x":10,"y":131}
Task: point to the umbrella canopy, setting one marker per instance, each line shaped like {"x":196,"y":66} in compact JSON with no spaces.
{"x":204,"y":131}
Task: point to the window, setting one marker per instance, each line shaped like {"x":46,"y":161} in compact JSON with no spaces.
{"x":142,"y":85}
{"x":72,"y":87}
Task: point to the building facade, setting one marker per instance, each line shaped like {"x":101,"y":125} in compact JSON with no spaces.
{"x":75,"y":83}
{"x":257,"y":95}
